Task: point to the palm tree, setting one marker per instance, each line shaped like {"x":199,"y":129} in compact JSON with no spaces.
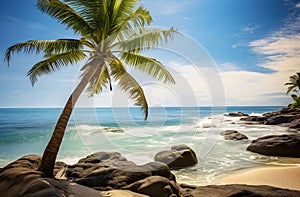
{"x":294,"y":83}
{"x":112,"y":35}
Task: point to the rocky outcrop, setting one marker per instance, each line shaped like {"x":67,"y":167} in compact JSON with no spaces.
{"x":236,"y":190}
{"x":180,"y":156}
{"x":105,"y":171}
{"x":285,"y":117}
{"x":233,"y":135}
{"x":20,"y":178}
{"x":260,"y":119}
{"x":237,"y":114}
{"x":277,"y":145}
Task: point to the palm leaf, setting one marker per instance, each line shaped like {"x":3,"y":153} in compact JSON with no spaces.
{"x":128,"y":84}
{"x":48,"y":46}
{"x":54,"y":62}
{"x":148,"y":65}
{"x":144,"y":39}
{"x":99,"y":81}
{"x":66,"y":15}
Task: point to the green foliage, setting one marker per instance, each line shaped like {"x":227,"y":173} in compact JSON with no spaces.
{"x":294,"y":86}
{"x":296,"y":101}
{"x":112,"y":35}
{"x":294,"y":83}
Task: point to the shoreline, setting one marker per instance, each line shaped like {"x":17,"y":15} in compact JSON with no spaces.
{"x":287,"y":177}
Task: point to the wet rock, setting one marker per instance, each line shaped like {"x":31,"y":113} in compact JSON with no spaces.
{"x":254,"y":118}
{"x":295,"y":124}
{"x":113,"y":130}
{"x":279,"y":119}
{"x":237,"y":114}
{"x":180,"y":156}
{"x":233,"y":135}
{"x":155,"y":186}
{"x":277,"y":145}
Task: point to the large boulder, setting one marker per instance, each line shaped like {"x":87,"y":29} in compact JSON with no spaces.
{"x":279,"y":119}
{"x":233,"y":135}
{"x":277,"y":145}
{"x":106,"y":171}
{"x":236,"y":190}
{"x":180,"y":156}
{"x":155,"y":186}
{"x":21,"y":178}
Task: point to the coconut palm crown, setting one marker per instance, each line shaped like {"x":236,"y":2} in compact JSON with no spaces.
{"x":112,"y":35}
{"x":294,"y":83}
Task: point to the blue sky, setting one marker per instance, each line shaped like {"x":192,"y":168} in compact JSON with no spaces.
{"x":255,"y":45}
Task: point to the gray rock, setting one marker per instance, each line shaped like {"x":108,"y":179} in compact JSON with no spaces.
{"x":233,"y":135}
{"x":237,"y":190}
{"x":180,"y":156}
{"x":277,"y":145}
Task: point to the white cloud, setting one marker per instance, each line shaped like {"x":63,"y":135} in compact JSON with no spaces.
{"x":298,"y":5}
{"x":279,"y":51}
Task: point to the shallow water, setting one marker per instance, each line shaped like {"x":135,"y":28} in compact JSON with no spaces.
{"x":27,"y":131}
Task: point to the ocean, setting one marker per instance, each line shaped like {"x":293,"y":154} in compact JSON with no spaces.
{"x":27,"y":131}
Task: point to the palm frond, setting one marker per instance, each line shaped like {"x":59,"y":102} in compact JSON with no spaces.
{"x":47,"y":46}
{"x":127,"y":25}
{"x":66,"y":15}
{"x":53,"y":63}
{"x":148,"y":65}
{"x":294,"y":83}
{"x":100,"y":80}
{"x":128,"y":84}
{"x":145,"y":39}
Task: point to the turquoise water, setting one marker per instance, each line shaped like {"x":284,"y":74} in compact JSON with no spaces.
{"x":27,"y":131}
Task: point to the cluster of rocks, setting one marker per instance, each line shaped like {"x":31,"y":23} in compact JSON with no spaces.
{"x":285,"y":117}
{"x":287,"y":145}
{"x":110,"y":174}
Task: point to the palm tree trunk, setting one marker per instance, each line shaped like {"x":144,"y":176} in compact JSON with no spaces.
{"x":51,"y":151}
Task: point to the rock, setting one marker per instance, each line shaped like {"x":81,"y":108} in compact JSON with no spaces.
{"x":180,"y":156}
{"x":233,"y":135}
{"x":155,"y":186}
{"x":237,"y":190}
{"x":113,"y":130}
{"x":277,"y":145}
{"x":20,"y":178}
{"x":254,"y":118}
{"x":295,"y":124}
{"x":279,"y":119}
{"x":285,"y":117}
{"x":106,"y":171}
{"x":237,"y":114}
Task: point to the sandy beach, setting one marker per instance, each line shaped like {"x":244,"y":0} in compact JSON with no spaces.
{"x":287,"y":177}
